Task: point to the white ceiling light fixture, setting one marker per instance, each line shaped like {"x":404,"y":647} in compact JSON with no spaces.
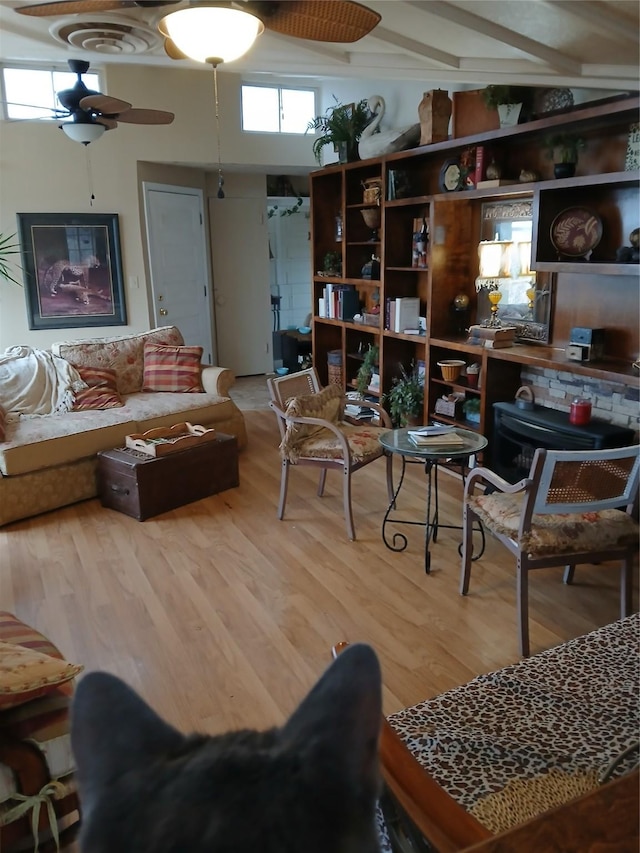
{"x":84,"y":132}
{"x":211,"y":34}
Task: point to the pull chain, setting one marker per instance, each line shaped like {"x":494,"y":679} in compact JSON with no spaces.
{"x":89,"y":176}
{"x":215,"y":91}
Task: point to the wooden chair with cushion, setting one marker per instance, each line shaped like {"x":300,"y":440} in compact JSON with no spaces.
{"x":574,"y":507}
{"x":314,"y":431}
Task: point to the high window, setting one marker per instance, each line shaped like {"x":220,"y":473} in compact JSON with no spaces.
{"x":31,"y":92}
{"x":275,"y":109}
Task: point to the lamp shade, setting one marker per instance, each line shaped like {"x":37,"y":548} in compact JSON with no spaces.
{"x":211,"y":33}
{"x":84,"y":132}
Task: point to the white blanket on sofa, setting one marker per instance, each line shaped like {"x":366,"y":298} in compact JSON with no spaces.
{"x":36,"y":382}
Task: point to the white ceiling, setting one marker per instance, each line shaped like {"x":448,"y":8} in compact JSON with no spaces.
{"x":578,"y":43}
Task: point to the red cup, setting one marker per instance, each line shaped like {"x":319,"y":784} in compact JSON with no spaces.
{"x":580,"y":413}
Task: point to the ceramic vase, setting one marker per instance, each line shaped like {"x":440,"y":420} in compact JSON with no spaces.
{"x":509,"y":114}
{"x":564,"y":170}
{"x":434,"y":112}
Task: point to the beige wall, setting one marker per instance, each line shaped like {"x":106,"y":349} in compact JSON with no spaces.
{"x":41,"y":170}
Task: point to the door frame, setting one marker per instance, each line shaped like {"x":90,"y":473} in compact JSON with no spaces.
{"x":205,"y":248}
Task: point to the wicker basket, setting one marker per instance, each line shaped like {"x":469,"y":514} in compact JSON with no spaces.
{"x":451,"y":368}
{"x":334,"y":366}
{"x":372,"y":191}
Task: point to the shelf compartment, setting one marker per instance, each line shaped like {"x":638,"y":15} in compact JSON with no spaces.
{"x":614,"y":200}
{"x":474,"y":426}
{"x":457,"y":386}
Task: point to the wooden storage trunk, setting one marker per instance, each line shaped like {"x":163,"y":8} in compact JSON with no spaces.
{"x":143,"y":486}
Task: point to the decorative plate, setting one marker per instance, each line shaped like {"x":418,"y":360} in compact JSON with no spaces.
{"x":451,"y":177}
{"x":576,"y":231}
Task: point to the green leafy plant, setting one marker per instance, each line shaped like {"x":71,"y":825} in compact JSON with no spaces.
{"x":406,"y":397}
{"x":340,"y":123}
{"x":564,"y":147}
{"x":288,"y":211}
{"x":494,"y":96}
{"x":7,"y":264}
{"x":365,"y":372}
{"x":332,"y":263}
{"x":471,"y":408}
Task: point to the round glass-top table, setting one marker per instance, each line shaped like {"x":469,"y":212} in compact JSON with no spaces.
{"x":398,"y":442}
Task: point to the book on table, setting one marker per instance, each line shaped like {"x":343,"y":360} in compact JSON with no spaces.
{"x":449,"y":439}
{"x":434,"y":429}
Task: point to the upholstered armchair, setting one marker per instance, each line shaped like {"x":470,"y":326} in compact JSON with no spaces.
{"x":314,"y":431}
{"x":574,"y":507}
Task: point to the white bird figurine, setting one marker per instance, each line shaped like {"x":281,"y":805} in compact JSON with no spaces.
{"x":374,"y":143}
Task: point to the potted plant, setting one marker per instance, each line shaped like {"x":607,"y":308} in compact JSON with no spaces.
{"x":7,"y":249}
{"x":406,"y":398}
{"x":332,"y":263}
{"x":507,"y":100}
{"x":471,"y":409}
{"x":563,"y":149}
{"x":366,"y":370}
{"x":340,"y":126}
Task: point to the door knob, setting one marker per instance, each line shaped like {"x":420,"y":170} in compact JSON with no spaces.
{"x":163,"y":312}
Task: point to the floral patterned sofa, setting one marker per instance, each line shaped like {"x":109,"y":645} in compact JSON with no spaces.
{"x":50,"y":461}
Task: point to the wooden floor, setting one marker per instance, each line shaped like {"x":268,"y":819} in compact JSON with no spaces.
{"x":221,"y":616}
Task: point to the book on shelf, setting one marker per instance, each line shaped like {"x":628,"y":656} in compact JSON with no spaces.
{"x":495,"y":182}
{"x":450,"y":439}
{"x":407,"y":313}
{"x":487,"y":344}
{"x":493,"y":333}
{"x":341,"y":301}
{"x":348,"y":304}
{"x":480,"y":167}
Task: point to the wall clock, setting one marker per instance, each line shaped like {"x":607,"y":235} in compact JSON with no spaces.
{"x":451,"y":178}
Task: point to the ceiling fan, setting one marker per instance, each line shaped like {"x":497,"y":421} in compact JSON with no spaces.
{"x":216,"y":32}
{"x":340,"y":21}
{"x":92,"y":113}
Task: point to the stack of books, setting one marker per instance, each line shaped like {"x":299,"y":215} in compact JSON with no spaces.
{"x":492,"y":337}
{"x":435,"y":436}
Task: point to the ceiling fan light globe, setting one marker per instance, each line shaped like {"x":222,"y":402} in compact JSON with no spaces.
{"x":211,"y":33}
{"x":83,"y":132}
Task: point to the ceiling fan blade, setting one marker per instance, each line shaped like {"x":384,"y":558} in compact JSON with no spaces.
{"x":173,"y":51}
{"x":73,"y":7}
{"x":109,"y":123}
{"x":104,"y":104}
{"x":320,"y":20}
{"x":136,"y":116}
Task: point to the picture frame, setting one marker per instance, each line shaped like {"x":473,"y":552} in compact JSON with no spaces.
{"x":73,"y":270}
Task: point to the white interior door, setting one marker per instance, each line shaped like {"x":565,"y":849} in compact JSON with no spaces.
{"x":178,"y":263}
{"x":240,"y":258}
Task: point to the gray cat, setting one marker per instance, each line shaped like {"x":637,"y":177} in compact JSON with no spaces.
{"x":308,"y":787}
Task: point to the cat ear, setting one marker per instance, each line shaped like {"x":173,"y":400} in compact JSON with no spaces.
{"x":112,"y":731}
{"x":339,"y":721}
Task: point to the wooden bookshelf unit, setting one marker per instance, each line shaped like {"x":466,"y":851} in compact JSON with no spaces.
{"x":599,"y":293}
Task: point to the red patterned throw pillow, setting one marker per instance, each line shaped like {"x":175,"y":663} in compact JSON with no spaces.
{"x":27,"y":674}
{"x":3,"y":424}
{"x":102,"y":392}
{"x":172,"y":368}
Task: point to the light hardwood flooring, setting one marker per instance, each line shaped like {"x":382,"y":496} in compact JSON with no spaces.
{"x":222,"y":616}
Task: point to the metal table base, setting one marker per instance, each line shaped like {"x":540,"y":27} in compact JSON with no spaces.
{"x":431,"y":524}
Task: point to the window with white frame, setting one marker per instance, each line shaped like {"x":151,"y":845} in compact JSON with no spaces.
{"x":30,"y":93}
{"x":277,"y":109}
